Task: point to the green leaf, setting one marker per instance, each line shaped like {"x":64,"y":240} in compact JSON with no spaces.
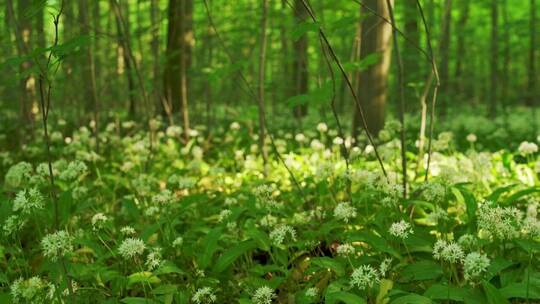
{"x":493,"y":295}
{"x":384,"y":287}
{"x":260,"y":237}
{"x":137,"y":300}
{"x":375,"y":241}
{"x":521,"y":291}
{"x":412,"y":299}
{"x":421,"y":271}
{"x":444,"y":292}
{"x":343,"y":296}
{"x":143,"y":277}
{"x":464,"y":196}
{"x":494,"y":196}
{"x":329,"y":263}
{"x":520,"y":194}
{"x":168,"y":267}
{"x":210,"y":245}
{"x":232,"y":254}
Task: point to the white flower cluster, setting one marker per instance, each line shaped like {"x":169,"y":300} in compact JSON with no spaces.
{"x":312,"y":292}
{"x":28,"y":201}
{"x":74,"y":170}
{"x":279,"y":234}
{"x":224,"y":215}
{"x":154,"y":259}
{"x":178,"y":242}
{"x":18,"y":174}
{"x":364,"y":276}
{"x":131,"y":248}
{"x":127,"y":230}
{"x":263,"y":295}
{"x":163,"y":198}
{"x":204,"y":295}
{"x":527,"y":148}
{"x":345,"y":250}
{"x":98,"y":220}
{"x":499,"y":222}
{"x":474,"y":265}
{"x":434,"y":192}
{"x":32,"y":290}
{"x":345,"y":211}
{"x":471,"y":138}
{"x":401,"y":229}
{"x":448,"y":251}
{"x":57,"y":244}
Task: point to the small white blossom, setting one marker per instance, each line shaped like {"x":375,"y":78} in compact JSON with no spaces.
{"x":154,"y":259}
{"x":98,"y":220}
{"x":131,"y":248}
{"x":474,"y":265}
{"x":471,"y":138}
{"x":322,"y":127}
{"x":526,"y":148}
{"x":344,"y":211}
{"x":448,"y":251}
{"x":127,"y":230}
{"x":364,"y":276}
{"x":345,"y":250}
{"x":57,"y":244}
{"x":312,"y":292}
{"x":204,"y":295}
{"x":401,"y":229}
{"x":279,"y":234}
{"x":263,"y":295}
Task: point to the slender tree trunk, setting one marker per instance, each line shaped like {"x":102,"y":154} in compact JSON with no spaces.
{"x":23,"y":32}
{"x":154,"y":44}
{"x":506,"y":57}
{"x":444,"y":54}
{"x":373,"y":81}
{"x":531,"y":71}
{"x":494,"y":59}
{"x":178,"y":54}
{"x":411,"y":61}
{"x":461,"y":50}
{"x":88,"y":69}
{"x":261,"y":79}
{"x":300,"y":62}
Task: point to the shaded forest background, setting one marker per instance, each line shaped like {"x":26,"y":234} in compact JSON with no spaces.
{"x":201,"y":62}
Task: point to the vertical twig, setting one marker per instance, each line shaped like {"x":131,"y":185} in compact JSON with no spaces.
{"x":435,"y":90}
{"x":45,"y":103}
{"x":401,"y":98}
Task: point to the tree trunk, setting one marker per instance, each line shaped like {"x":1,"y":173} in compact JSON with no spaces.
{"x":411,"y":57}
{"x":494,"y":59}
{"x":373,"y":81}
{"x":506,"y":56}
{"x":178,"y":54}
{"x":300,"y":62}
{"x":531,"y":71}
{"x":261,"y":78}
{"x":444,"y":54}
{"x":461,"y":51}
{"x":154,"y":44}
{"x":23,"y":32}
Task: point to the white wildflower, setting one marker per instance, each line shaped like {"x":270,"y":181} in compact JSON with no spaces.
{"x":526,"y":148}
{"x":28,"y":201}
{"x":344,"y":211}
{"x":345,"y":250}
{"x":204,"y":295}
{"x":401,"y":229}
{"x":279,"y":234}
{"x":263,"y":295}
{"x":322,"y":127}
{"x":131,"y":248}
{"x":474,"y":265}
{"x":364,"y":276}
{"x":57,"y":244}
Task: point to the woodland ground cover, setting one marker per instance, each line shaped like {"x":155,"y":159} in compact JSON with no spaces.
{"x":153,"y":219}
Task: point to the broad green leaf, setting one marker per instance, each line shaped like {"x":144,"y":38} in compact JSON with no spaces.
{"x":343,"y":296}
{"x":384,"y":287}
{"x":210,"y":245}
{"x":137,"y":300}
{"x":520,"y":194}
{"x":493,"y":295}
{"x":521,"y":290}
{"x":421,"y":271}
{"x":329,"y":263}
{"x":143,"y":277}
{"x":412,"y":299}
{"x":229,"y":256}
